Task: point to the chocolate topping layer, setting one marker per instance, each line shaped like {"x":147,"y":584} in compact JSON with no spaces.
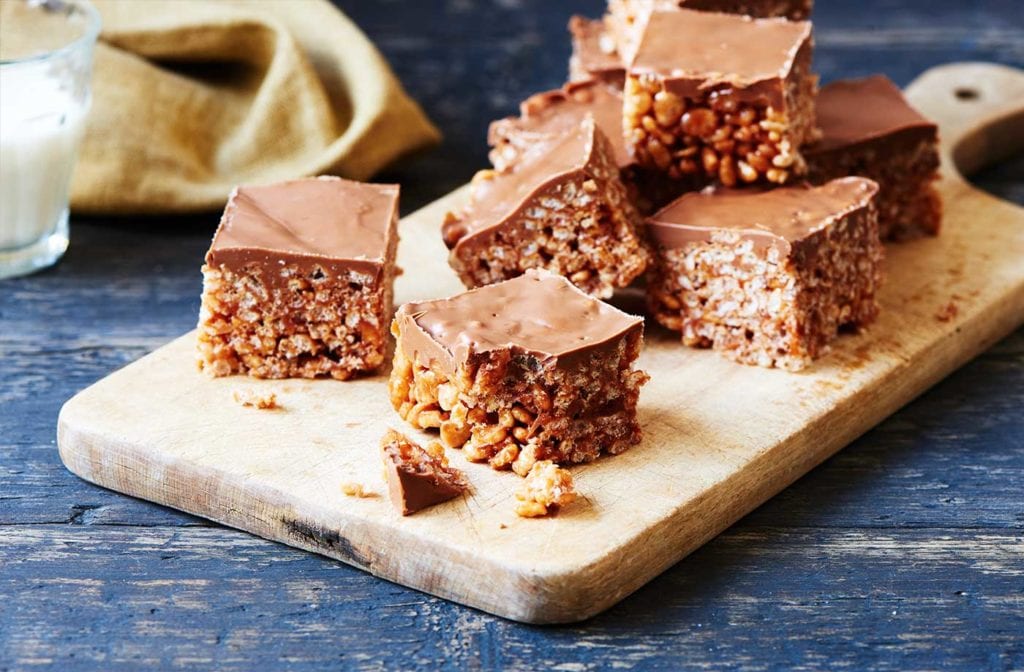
{"x":774,"y":218}
{"x":594,"y":50}
{"x":695,"y":51}
{"x":501,"y":195}
{"x":854,"y":111}
{"x":538,"y":314}
{"x":329,"y":222}
{"x":557,"y":112}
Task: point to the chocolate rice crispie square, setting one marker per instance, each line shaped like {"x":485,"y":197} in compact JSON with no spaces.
{"x":726,"y":97}
{"x":524,"y":370}
{"x":869,"y":129}
{"x":767,"y":277}
{"x":298,"y":280}
{"x":562,"y":207}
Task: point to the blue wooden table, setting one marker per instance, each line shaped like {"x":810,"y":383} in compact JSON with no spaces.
{"x":905,"y":551}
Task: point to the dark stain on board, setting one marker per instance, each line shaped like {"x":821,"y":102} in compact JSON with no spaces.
{"x":327,"y":541}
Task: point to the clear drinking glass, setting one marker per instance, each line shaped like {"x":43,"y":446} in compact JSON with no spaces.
{"x":46,"y":51}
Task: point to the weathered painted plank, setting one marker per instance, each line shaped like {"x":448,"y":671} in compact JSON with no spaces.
{"x":764,"y":599}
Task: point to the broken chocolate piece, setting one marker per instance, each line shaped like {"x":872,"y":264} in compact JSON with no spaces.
{"x":416,"y":478}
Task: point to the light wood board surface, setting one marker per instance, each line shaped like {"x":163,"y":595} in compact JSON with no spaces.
{"x":721,"y":438}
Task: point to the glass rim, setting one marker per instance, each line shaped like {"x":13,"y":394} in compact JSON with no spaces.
{"x":89,"y":35}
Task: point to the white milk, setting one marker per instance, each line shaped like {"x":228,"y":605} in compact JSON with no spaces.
{"x":40,"y":125}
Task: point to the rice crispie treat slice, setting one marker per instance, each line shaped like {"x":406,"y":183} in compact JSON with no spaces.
{"x":524,"y":370}
{"x":594,"y":56}
{"x":767,"y":277}
{"x":563,"y":208}
{"x":418,"y":478}
{"x":869,"y":129}
{"x":626,"y":20}
{"x":547,"y":116}
{"x":298,"y":280}
{"x":727,"y":97}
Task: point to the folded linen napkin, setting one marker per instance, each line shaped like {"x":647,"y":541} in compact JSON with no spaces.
{"x":191,"y":97}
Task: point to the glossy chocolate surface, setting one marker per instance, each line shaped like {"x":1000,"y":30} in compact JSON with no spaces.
{"x":692,"y":52}
{"x":539,"y":314}
{"x":498,"y":197}
{"x":325,"y":222}
{"x":855,"y":111}
{"x":773,"y":218}
{"x":562,"y":110}
{"x":594,"y":52}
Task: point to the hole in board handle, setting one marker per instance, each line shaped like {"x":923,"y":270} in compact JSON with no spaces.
{"x":966,"y":93}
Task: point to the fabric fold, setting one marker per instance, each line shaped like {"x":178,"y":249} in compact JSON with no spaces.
{"x":191,"y":98}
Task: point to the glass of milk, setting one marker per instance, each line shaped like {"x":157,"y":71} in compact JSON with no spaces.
{"x":45,"y":66}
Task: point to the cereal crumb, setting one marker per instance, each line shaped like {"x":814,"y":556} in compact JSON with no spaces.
{"x":546,"y":489}
{"x":947,"y":312}
{"x":436,"y":450}
{"x":353,"y":489}
{"x":265,"y":401}
{"x":502,"y":526}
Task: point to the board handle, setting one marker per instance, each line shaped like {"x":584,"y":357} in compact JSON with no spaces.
{"x":979,"y":108}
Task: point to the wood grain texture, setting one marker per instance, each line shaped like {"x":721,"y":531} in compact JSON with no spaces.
{"x":720,"y":438}
{"x":761,"y":596}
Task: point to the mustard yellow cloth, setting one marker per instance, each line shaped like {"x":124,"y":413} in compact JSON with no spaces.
{"x":192,"y":97}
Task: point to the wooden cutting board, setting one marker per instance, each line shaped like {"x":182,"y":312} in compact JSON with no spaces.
{"x":721,"y":438}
